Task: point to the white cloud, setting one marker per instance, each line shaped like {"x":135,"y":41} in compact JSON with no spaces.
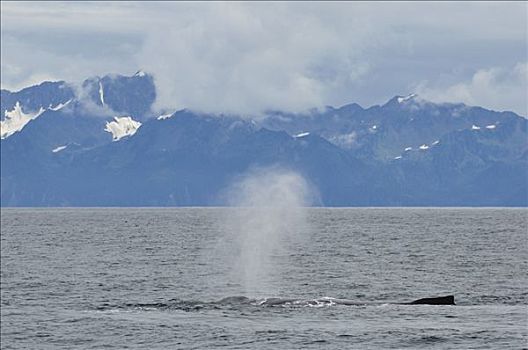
{"x":249,"y":57}
{"x":243,"y":59}
{"x":499,"y":88}
{"x":347,"y":141}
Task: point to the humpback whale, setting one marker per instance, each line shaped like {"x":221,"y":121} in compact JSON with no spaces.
{"x":446,"y":300}
{"x":442,"y":300}
{"x":241,"y":301}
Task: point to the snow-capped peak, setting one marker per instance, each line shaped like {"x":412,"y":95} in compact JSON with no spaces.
{"x":402,"y":99}
{"x":140,"y":73}
{"x":121,"y":127}
{"x":15,"y":120}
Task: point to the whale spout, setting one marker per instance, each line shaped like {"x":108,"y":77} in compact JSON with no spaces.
{"x":445,"y":300}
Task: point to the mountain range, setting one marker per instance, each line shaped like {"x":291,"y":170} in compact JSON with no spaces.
{"x":100,"y":143}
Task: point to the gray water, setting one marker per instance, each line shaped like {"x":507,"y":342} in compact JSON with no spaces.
{"x":153,"y":278}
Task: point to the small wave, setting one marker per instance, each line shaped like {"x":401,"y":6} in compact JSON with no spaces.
{"x":173,"y":304}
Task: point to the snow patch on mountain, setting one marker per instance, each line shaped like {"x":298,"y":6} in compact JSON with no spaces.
{"x":59,"y":106}
{"x":302,"y":134}
{"x":58,"y":149}
{"x":101,"y":93}
{"x":140,"y":73}
{"x":424,"y":147}
{"x":474,"y":127}
{"x":406,"y":98}
{"x":165,"y":116}
{"x":435,"y":143}
{"x":15,"y":120}
{"x":491,"y":127}
{"x":407,"y":149}
{"x":121,"y":127}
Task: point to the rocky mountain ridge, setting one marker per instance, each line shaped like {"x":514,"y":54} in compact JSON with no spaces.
{"x":101,"y":144}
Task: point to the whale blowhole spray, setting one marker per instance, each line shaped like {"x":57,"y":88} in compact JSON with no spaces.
{"x":270,"y":216}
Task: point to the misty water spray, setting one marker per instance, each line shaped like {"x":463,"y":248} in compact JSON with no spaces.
{"x":270,"y":216}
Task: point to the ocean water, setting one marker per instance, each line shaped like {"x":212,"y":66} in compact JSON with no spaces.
{"x":149,"y":278}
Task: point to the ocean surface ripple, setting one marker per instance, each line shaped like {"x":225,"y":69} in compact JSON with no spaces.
{"x":153,"y":278}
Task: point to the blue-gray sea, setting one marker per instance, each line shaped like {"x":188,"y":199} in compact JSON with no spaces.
{"x":152,"y":278}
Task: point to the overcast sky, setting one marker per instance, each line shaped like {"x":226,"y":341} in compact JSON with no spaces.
{"x":246,"y":57}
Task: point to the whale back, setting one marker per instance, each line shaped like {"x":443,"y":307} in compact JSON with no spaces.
{"x":445,"y":300}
